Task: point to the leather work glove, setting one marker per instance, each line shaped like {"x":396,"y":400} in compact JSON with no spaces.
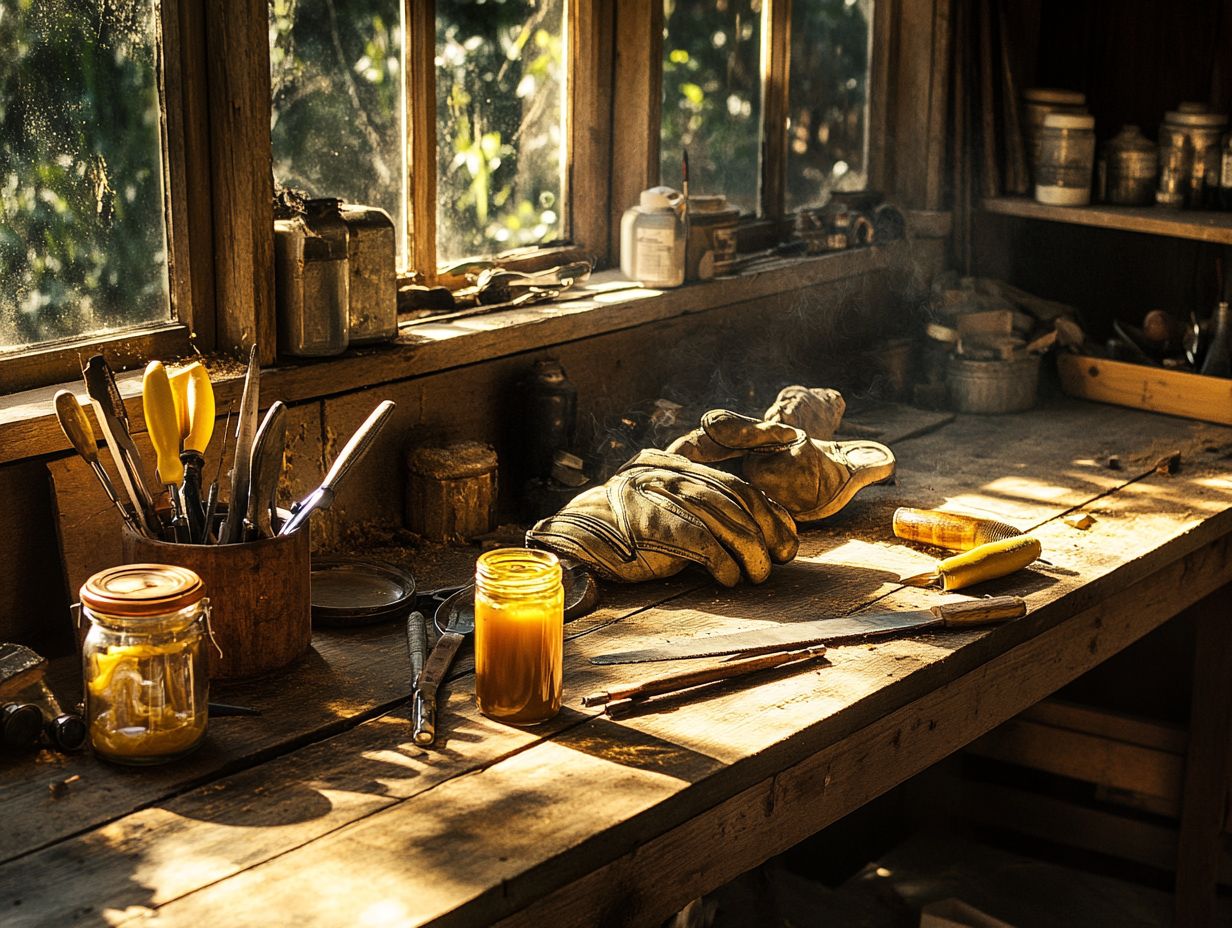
{"x":659,"y":513}
{"x":810,"y":479}
{"x":817,"y":411}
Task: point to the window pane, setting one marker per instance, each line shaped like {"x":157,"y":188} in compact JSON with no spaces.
{"x":827,"y":144}
{"x":338,"y":91}
{"x":82,"y":241}
{"x":712,"y":97}
{"x":500,"y":98}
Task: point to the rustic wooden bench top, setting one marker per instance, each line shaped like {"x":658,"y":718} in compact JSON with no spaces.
{"x":323,"y":812}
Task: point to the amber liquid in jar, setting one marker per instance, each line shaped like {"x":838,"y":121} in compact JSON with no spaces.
{"x":519,"y":635}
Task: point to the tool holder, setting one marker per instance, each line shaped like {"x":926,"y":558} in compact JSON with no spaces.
{"x":261,"y":614}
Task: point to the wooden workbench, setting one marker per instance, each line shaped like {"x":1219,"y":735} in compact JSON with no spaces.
{"x":322,"y":812}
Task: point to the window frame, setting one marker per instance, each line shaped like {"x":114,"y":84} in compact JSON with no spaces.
{"x":215,"y":101}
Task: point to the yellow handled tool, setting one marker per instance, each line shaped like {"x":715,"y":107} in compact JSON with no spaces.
{"x":194,"y":401}
{"x":163,"y":424}
{"x":953,"y":530}
{"x":987,"y":562}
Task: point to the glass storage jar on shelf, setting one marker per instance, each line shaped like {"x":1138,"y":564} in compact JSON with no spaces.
{"x":143,"y":661}
{"x":519,"y":635}
{"x":1066,"y":160}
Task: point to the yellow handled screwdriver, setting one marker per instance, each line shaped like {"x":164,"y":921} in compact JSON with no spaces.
{"x":163,"y":424}
{"x":194,"y":404}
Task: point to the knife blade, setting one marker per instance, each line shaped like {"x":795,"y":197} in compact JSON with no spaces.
{"x":232,"y":530}
{"x":267,"y":454}
{"x":459,"y":620}
{"x":828,"y":631}
{"x":351,"y":454}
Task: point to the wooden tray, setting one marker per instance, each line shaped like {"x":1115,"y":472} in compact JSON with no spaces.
{"x":1155,"y":389}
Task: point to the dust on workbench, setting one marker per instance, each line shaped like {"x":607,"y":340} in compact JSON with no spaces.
{"x":431,"y":564}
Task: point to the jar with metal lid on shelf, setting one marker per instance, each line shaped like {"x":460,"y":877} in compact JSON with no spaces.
{"x":143,"y":662}
{"x":1128,"y":166}
{"x":1037,"y":104}
{"x":1189,"y":157}
{"x":1066,"y":160}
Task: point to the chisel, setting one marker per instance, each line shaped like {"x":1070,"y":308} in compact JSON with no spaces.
{"x":793,"y":635}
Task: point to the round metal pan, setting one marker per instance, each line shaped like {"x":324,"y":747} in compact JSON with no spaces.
{"x":352,"y":591}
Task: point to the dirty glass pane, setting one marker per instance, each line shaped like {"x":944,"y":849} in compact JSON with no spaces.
{"x":827,"y":142}
{"x":82,"y":239}
{"x":712,"y":97}
{"x":500,"y":137}
{"x":338,"y":91}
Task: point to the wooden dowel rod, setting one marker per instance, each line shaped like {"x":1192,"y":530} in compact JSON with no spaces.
{"x":681,"y":681}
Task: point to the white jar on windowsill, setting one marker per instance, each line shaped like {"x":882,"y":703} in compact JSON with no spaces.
{"x":652,"y":239}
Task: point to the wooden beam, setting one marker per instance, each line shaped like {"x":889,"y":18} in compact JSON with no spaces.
{"x":591,"y":55}
{"x":636,"y":102}
{"x":419,"y":59}
{"x":1208,"y":766}
{"x":776,"y":77}
{"x":921,"y":102}
{"x":241,"y":174}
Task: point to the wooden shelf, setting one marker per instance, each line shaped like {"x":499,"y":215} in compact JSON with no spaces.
{"x":1151,"y":220}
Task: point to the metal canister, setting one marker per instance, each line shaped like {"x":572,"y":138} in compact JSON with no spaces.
{"x":312,"y":280}
{"x":712,"y":236}
{"x":1037,"y":103}
{"x":1066,"y":160}
{"x":1130,"y":163}
{"x":372,"y":257}
{"x":551,"y":415}
{"x":1189,"y":157}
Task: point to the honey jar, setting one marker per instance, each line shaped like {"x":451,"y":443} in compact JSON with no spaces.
{"x":519,"y":635}
{"x":143,"y":662}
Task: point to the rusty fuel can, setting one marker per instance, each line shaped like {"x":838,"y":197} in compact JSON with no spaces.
{"x":312,"y":280}
{"x":372,"y":259}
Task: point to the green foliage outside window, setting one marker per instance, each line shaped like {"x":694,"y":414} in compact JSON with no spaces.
{"x":82,"y":240}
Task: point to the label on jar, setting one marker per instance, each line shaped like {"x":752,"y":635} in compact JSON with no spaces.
{"x":656,"y":254}
{"x":1225,"y":170}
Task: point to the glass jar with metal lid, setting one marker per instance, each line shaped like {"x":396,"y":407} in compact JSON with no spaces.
{"x":143,"y":660}
{"x":1066,"y":160}
{"x":1129,"y":165}
{"x":519,"y":635}
{"x":1189,"y":156}
{"x":1037,"y":103}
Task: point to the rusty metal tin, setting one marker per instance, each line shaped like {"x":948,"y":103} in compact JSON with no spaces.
{"x":372,"y":259}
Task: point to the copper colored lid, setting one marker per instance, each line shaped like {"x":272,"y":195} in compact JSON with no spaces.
{"x":142,"y":590}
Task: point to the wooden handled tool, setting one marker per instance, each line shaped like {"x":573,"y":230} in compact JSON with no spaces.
{"x":674,"y":682}
{"x":953,"y":530}
{"x":76,"y":427}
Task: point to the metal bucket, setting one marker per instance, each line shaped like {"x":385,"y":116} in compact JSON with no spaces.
{"x":992,"y":386}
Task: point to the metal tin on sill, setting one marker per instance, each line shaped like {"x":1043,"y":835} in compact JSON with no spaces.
{"x":312,"y":281}
{"x":372,"y":257}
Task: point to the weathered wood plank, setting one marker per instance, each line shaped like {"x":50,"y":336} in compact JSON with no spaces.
{"x":1208,"y":764}
{"x":28,"y":428}
{"x":738,"y":736}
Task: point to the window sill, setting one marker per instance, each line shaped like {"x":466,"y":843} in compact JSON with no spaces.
{"x":28,"y":427}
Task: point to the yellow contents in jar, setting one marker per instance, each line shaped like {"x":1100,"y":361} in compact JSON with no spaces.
{"x":141,"y":701}
{"x":519,"y":644}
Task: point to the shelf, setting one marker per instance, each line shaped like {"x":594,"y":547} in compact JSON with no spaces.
{"x":1151,"y":220}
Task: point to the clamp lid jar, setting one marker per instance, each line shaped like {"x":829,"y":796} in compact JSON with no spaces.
{"x":143,"y":662}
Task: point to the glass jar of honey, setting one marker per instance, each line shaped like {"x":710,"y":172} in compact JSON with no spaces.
{"x":143,"y":661}
{"x":519,"y":635}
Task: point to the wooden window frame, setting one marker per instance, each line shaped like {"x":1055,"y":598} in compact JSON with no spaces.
{"x":213,"y":82}
{"x":636,"y":111}
{"x":588,"y":31}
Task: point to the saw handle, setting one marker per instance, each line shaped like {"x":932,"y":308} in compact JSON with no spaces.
{"x":981,"y":611}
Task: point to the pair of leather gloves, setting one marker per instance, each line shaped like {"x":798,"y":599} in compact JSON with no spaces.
{"x":665,"y":510}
